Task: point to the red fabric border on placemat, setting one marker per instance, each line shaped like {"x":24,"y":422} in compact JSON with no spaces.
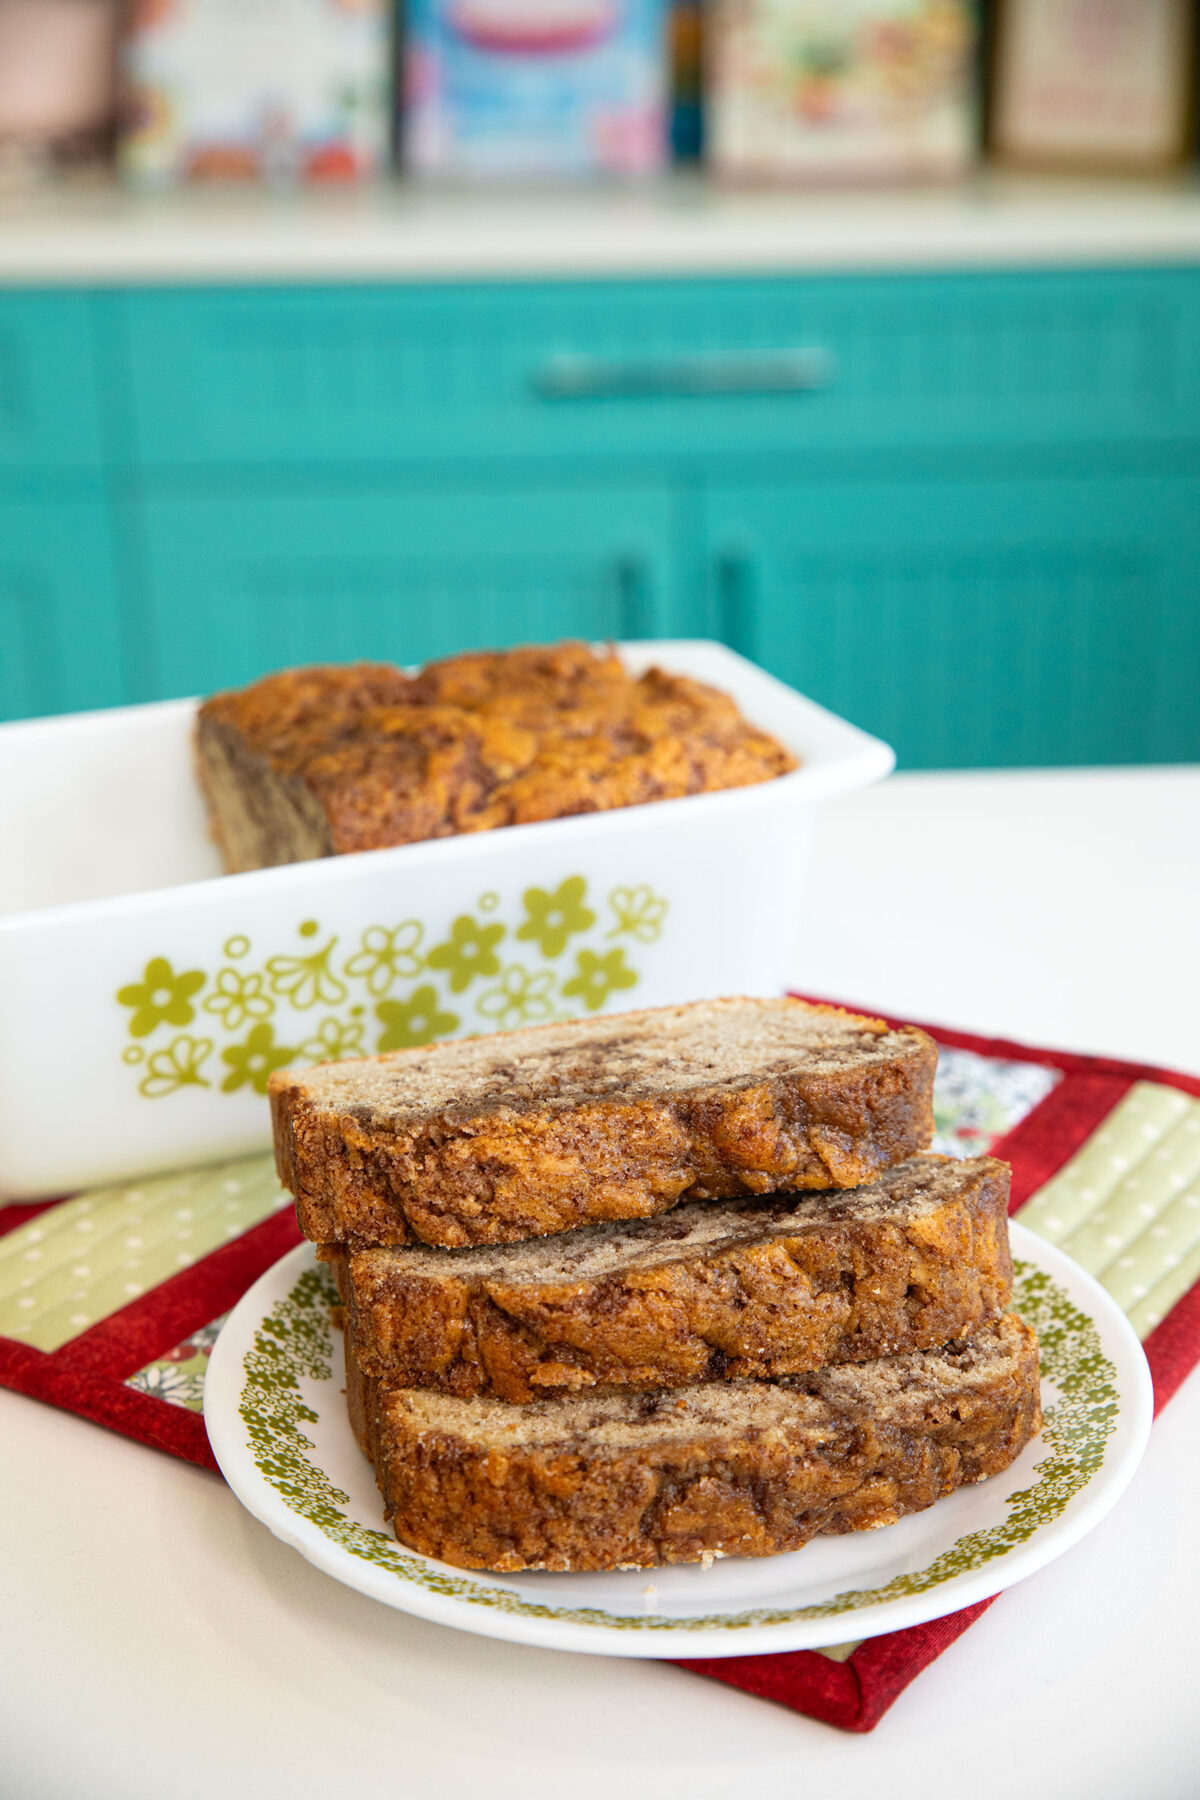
{"x":853,"y":1694}
{"x":89,"y":1374}
{"x":856,"y":1693}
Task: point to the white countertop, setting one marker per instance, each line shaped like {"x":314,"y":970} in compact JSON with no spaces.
{"x":159,"y":1642}
{"x":98,"y":234}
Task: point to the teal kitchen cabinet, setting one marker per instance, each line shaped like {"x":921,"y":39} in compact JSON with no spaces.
{"x":61,"y":623}
{"x":286,"y":377}
{"x":240,"y":586}
{"x":49,"y":390}
{"x":975,"y":623}
{"x":960,"y":506}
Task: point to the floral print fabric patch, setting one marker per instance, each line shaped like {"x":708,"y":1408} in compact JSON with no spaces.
{"x":977,"y":1100}
{"x":178,"y":1377}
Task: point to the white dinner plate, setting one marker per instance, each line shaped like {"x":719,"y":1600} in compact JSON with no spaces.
{"x":276,"y":1415}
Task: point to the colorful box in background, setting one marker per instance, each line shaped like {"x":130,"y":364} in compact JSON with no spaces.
{"x":535,"y":87}
{"x":829,"y":90}
{"x":256,"y":90}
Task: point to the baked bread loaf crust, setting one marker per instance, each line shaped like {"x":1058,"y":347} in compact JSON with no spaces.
{"x":317,"y":762}
{"x":521,"y":1134}
{"x":725,"y":1469}
{"x":715,"y":1290}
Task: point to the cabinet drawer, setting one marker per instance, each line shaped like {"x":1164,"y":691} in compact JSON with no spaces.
{"x":242,"y":586}
{"x":48,"y":395}
{"x":60,"y":632}
{"x":974,"y":623}
{"x":684,"y":367}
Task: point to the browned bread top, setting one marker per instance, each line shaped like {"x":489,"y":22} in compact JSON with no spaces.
{"x":315,"y":762}
{"x":494,"y":1139}
{"x":714,"y":1290}
{"x":722,"y":1469}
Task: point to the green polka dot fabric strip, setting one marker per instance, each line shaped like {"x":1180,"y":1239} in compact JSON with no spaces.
{"x":75,"y":1264}
{"x":1127,"y":1205}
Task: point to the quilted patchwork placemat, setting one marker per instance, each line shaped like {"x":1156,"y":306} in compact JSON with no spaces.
{"x":110,"y":1301}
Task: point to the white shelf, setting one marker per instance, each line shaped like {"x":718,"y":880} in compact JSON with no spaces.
{"x":95,"y":234}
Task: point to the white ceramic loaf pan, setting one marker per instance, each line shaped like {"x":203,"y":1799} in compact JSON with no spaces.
{"x":145,"y":997}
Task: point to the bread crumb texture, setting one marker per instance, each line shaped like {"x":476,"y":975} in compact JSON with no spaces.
{"x":321,"y":761}
{"x":523,"y":1134}
{"x":681,"y":1475}
{"x":712,"y":1290}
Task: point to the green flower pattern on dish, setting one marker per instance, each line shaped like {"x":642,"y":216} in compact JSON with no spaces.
{"x":177,"y":1066}
{"x":386,"y":956}
{"x":255,"y":1060}
{"x":261,"y":1009}
{"x":638,"y":911}
{"x":520,"y":998}
{"x":470,"y":950}
{"x":237,"y":998}
{"x":161,"y":997}
{"x":335,"y":1040}
{"x":295,"y":1343}
{"x":307,"y":980}
{"x":552,"y":918}
{"x":415,"y":1021}
{"x":596,"y":977}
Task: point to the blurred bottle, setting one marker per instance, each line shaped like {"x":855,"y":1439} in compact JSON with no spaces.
{"x":687,"y":79}
{"x":57,"y":91}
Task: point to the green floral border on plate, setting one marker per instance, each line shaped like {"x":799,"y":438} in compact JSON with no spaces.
{"x":295,"y":1341}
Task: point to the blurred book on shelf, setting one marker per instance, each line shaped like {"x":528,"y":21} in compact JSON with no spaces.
{"x":812,"y":91}
{"x":807,"y":93}
{"x":1104,"y":85}
{"x":57,"y":86}
{"x":277,"y":91}
{"x":510,"y":88}
{"x":687,"y":79}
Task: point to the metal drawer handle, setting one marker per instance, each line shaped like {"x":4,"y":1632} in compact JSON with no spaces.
{"x":739,"y":372}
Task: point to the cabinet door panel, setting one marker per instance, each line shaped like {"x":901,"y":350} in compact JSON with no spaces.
{"x":242,"y":586}
{"x":976,"y":624}
{"x":60,"y":632}
{"x":49,"y":403}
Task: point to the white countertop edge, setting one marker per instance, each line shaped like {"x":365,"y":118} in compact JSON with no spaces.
{"x":82,"y":235}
